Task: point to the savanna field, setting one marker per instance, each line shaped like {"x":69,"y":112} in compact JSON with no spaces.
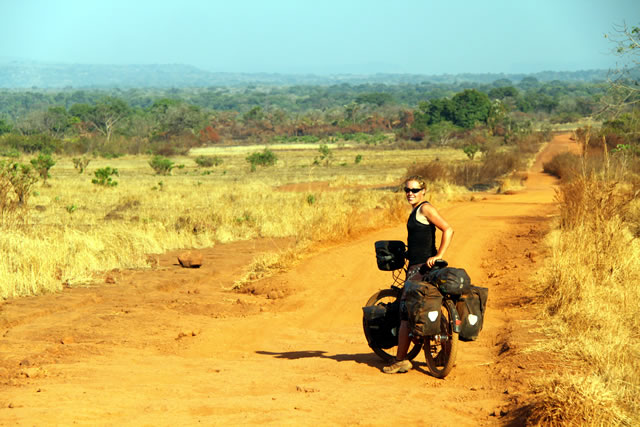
{"x":71,"y":227}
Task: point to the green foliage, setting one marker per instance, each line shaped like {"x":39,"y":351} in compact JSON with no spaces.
{"x":10,"y":152}
{"x":376,"y":98}
{"x":254,"y":114}
{"x":361,"y":137}
{"x":5,"y":127}
{"x":264,"y":158}
{"x":326,"y":155}
{"x":31,"y":143}
{"x":358,"y":159}
{"x":71,"y":208}
{"x":470,"y":150}
{"x":311,"y":199}
{"x":81,"y":163}
{"x":161,"y":165}
{"x":22,"y":177}
{"x":441,"y":133}
{"x":208,"y":161}
{"x":103,"y":177}
{"x":470,"y":107}
{"x":42,"y":164}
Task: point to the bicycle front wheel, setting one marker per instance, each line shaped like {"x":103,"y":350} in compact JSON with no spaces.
{"x":440,"y":350}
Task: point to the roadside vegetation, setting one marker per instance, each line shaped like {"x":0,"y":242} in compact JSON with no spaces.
{"x":589,"y":287}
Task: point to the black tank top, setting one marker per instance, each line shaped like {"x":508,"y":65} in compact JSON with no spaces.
{"x":421,"y":239}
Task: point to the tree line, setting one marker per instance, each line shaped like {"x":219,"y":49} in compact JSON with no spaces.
{"x":166,"y":120}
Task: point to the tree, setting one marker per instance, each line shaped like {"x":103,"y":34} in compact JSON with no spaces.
{"x":175,"y":118}
{"x":42,"y":164}
{"x":503,"y":92}
{"x":470,"y":107}
{"x":106,"y":114}
{"x":625,"y":81}
{"x":56,"y":121}
{"x":376,"y":98}
{"x":4,"y":127}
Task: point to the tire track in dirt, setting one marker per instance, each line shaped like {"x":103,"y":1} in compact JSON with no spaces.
{"x":170,"y":346}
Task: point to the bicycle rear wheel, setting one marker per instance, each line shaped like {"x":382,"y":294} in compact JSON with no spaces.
{"x":383,"y":298}
{"x":440,"y":350}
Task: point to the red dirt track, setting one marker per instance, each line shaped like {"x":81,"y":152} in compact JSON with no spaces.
{"x":171,"y":346}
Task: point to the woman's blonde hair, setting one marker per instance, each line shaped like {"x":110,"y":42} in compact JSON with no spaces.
{"x":418,"y":179}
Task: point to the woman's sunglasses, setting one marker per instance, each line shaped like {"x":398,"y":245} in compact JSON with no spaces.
{"x":412,"y":190}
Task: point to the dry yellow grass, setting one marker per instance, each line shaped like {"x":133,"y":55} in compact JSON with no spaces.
{"x":72,"y":228}
{"x":592,"y":318}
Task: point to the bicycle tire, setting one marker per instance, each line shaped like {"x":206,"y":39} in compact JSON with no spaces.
{"x":440,"y":351}
{"x":382,"y":297}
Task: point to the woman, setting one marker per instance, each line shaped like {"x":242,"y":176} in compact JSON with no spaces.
{"x":421,"y":249}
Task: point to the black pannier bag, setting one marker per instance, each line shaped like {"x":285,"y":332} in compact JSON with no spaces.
{"x":450,"y":280}
{"x":423,"y":303}
{"x":471,"y":308}
{"x":390,"y":254}
{"x":382,"y":322}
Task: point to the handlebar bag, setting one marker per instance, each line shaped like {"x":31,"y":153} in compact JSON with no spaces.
{"x":423,"y":303}
{"x":471,"y":308}
{"x":450,"y":280}
{"x":390,"y":254}
{"x":382,"y":323}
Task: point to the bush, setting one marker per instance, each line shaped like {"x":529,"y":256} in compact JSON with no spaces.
{"x":103,"y":177}
{"x":161,"y":165}
{"x":564,"y":166}
{"x":22,"y":178}
{"x":81,"y":164}
{"x":264,"y":158}
{"x":432,"y":171}
{"x":42,"y":164}
{"x":31,"y":143}
{"x":470,"y":150}
{"x":471,"y":174}
{"x":325,"y":155}
{"x":208,"y":161}
{"x":16,"y":181}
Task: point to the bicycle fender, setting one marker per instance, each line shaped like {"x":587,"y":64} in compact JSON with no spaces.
{"x":455,"y":317}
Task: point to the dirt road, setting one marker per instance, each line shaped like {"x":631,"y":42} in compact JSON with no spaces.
{"x":172,"y":347}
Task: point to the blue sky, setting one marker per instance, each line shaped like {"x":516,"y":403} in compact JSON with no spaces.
{"x":329,"y":36}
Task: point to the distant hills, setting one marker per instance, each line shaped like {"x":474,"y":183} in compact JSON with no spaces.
{"x":16,"y":74}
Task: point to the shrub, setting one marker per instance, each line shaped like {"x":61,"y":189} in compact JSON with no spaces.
{"x":42,"y":164}
{"x":31,"y":143}
{"x":471,"y":150}
{"x":103,"y":177}
{"x":15,"y":187}
{"x":471,"y":174}
{"x":208,"y":161}
{"x":563,"y":166}
{"x":358,"y":159}
{"x":81,"y":164}
{"x":161,"y":165}
{"x":432,"y":171}
{"x":264,"y":158}
{"x":325,"y":155}
{"x":22,"y":178}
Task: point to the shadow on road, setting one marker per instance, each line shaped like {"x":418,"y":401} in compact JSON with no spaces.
{"x":364,"y":358}
{"x":369,"y":359}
